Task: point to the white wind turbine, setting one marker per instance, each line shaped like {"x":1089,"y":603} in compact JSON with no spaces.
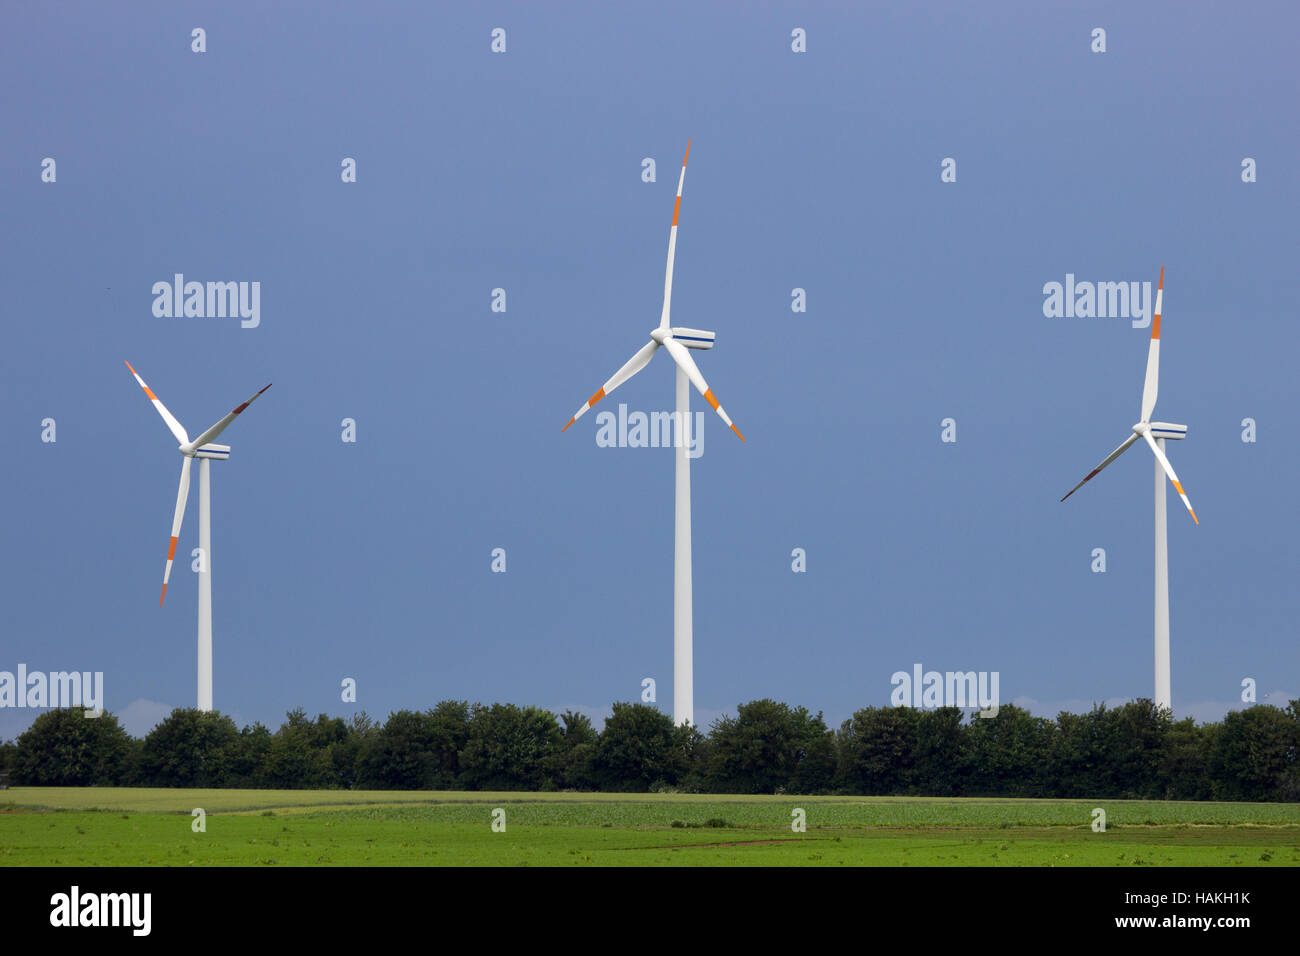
{"x":202,"y":449}
{"x":677,"y":341}
{"x":1155,"y":434}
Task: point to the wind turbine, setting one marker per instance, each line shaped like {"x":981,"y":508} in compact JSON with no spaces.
{"x":677,"y":341}
{"x":1155,"y":434}
{"x":202,"y":449}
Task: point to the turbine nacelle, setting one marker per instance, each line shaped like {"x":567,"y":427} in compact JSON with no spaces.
{"x":210,"y":450}
{"x":1165,"y":430}
{"x":691,"y":338}
{"x":694,"y":338}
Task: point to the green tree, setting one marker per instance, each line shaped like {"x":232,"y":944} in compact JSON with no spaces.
{"x":190,"y":748}
{"x":1289,"y":788}
{"x":638,"y":748}
{"x":688,"y":759}
{"x":8,"y":757}
{"x":298,"y":757}
{"x":1081,"y":754}
{"x":1008,"y":755}
{"x":345,"y":755}
{"x":1253,"y":754}
{"x":510,"y":748}
{"x":1185,"y":761}
{"x":1139,"y":735}
{"x":1118,"y":753}
{"x":246,"y":758}
{"x":413,"y":750}
{"x":64,"y":748}
{"x":764,"y":748}
{"x":575,"y":762}
{"x":577,"y":729}
{"x":819,"y":763}
{"x":939,"y":764}
{"x":877,"y":750}
{"x":450,"y":722}
{"x":401,"y":756}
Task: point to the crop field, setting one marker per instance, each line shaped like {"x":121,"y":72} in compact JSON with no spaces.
{"x":141,"y":827}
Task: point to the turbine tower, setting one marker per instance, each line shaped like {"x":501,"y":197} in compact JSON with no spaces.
{"x":202,"y":449}
{"x":1155,"y":434}
{"x":677,"y":341}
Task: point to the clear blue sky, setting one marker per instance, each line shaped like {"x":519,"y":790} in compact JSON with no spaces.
{"x":523,"y":171}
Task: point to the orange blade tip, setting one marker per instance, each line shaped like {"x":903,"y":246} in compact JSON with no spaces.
{"x":738,"y":434}
{"x":571,"y":421}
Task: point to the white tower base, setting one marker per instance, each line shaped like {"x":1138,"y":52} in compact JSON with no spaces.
{"x":1162,"y":694}
{"x":683,"y":649}
{"x":205,"y":586}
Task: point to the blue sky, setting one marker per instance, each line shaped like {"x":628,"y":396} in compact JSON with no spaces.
{"x":522,"y":171}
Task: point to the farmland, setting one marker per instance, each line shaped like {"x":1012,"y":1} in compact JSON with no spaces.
{"x":154,"y":827}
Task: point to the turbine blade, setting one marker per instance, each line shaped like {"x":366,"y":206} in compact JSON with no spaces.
{"x":1169,"y":470}
{"x":220,"y":426}
{"x":683,"y":358}
{"x":182,"y":494}
{"x":672,"y":243}
{"x":176,"y":428}
{"x":630,"y":368}
{"x":1152,"y":384}
{"x":1106,"y":461}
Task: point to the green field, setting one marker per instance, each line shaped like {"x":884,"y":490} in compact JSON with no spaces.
{"x":133,"y":827}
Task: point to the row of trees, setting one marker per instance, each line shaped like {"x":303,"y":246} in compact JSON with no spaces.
{"x":1133,"y":751}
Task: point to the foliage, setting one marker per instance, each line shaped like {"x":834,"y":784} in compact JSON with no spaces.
{"x":190,"y":748}
{"x":636,"y":749}
{"x":770,"y":747}
{"x":510,"y":748}
{"x":1132,"y":752}
{"x":66,"y":748}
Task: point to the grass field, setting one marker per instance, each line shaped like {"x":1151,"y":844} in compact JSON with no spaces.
{"x":130,"y":827}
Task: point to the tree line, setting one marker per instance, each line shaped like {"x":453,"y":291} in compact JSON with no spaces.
{"x":1136,"y":751}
